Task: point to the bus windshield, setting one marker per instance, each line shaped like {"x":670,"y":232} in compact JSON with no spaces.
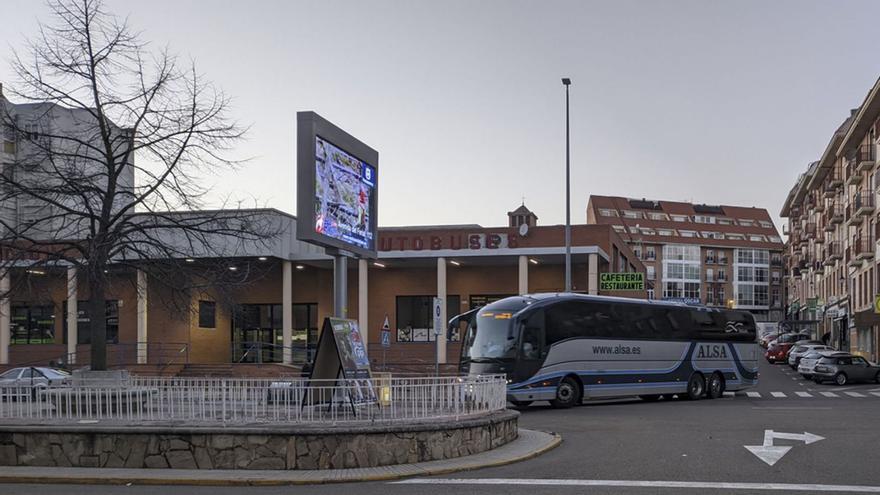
{"x":489,"y":336}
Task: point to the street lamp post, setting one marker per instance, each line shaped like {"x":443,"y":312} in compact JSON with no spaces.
{"x":567,"y":82}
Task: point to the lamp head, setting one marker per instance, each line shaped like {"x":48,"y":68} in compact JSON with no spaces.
{"x":566,"y":81}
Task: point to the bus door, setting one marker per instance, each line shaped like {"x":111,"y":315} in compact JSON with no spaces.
{"x":532,"y":347}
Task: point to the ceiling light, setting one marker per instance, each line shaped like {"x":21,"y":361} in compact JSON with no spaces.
{"x":380,"y":265}
{"x":36,"y":272}
{"x":456,"y":263}
{"x":190,"y":260}
{"x":262,"y":258}
{"x":533,"y":261}
{"x":300,"y":267}
{"x":233,"y":268}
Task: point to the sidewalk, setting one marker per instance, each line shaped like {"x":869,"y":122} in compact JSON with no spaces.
{"x":529,"y":444}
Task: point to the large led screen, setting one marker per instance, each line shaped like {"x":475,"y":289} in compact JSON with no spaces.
{"x":343,"y":191}
{"x":337,"y":192}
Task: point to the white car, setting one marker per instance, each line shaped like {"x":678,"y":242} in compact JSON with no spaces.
{"x":19,"y":383}
{"x":798,"y":351}
{"x":808,"y":361}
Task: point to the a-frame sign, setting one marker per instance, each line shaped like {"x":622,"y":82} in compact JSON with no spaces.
{"x":342,"y":356}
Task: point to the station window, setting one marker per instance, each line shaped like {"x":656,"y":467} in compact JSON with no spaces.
{"x":207,"y":314}
{"x":415,"y":322}
{"x":32,"y":324}
{"x":83,"y":320}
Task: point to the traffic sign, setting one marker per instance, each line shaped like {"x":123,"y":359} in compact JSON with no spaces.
{"x":386,"y":333}
{"x":438,"y":316}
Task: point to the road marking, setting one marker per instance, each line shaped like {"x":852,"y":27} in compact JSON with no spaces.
{"x":778,"y":395}
{"x":770,"y":453}
{"x":829,"y":394}
{"x":854,"y":394}
{"x":754,"y":395}
{"x":730,"y":394}
{"x":720,"y":485}
{"x":803,"y":394}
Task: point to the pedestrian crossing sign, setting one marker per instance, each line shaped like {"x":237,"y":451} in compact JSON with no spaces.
{"x":386,"y":333}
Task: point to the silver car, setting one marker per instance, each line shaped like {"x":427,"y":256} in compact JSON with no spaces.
{"x":799,"y":350}
{"x":845,"y":369}
{"x":19,"y":383}
{"x":808,"y":361}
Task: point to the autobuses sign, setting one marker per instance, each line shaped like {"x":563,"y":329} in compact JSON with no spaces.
{"x":622,"y":281}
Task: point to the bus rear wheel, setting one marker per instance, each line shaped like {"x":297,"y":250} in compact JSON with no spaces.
{"x":567,"y":394}
{"x":715,"y":387}
{"x":696,"y":386}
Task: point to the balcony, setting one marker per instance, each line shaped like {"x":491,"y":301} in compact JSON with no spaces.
{"x":810,"y":231}
{"x":835,"y":179}
{"x":776,"y":261}
{"x":834,"y":214}
{"x":720,"y":277}
{"x":652,"y":256}
{"x":851,"y":217}
{"x":832,"y":253}
{"x":864,"y":203}
{"x":722,"y":260}
{"x":864,"y":158}
{"x":853,"y":176}
{"x":710,"y":260}
{"x":820,"y":205}
{"x":863,"y":247}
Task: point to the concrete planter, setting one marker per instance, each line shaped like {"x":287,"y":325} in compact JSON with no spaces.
{"x":252,"y":447}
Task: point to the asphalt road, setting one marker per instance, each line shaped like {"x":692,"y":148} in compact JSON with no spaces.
{"x":630,"y":441}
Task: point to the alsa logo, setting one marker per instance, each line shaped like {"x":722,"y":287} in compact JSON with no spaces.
{"x":712,"y":351}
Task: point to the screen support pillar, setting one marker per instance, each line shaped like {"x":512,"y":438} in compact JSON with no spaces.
{"x":363,"y":302}
{"x":287,"y":312}
{"x":340,"y":285}
{"x":72,"y":315}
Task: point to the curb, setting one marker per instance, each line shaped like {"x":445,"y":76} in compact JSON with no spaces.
{"x":238,"y":477}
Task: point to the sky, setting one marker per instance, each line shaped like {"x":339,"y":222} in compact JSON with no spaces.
{"x":711,"y":102}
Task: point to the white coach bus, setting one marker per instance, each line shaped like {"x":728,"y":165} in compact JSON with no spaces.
{"x":567,"y":347}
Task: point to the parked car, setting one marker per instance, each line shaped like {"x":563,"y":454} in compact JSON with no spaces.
{"x":798,"y":351}
{"x":809,"y":360}
{"x":845,"y":369}
{"x":27,"y":381}
{"x":778,"y":349}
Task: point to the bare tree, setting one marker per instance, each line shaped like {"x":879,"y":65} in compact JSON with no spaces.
{"x":112,"y":153}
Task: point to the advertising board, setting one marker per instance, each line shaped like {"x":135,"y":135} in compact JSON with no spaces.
{"x":337,"y":187}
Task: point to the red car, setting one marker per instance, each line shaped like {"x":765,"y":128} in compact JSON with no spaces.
{"x":778,"y":350}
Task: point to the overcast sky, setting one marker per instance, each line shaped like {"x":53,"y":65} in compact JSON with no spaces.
{"x":715,"y":102}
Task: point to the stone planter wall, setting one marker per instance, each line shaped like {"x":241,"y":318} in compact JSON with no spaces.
{"x":258,"y":447}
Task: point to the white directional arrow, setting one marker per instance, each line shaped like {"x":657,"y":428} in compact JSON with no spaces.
{"x":770,"y":453}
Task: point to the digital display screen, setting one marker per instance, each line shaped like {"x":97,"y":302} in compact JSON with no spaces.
{"x":344,"y":187}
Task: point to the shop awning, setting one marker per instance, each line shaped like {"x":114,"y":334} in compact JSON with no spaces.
{"x":867,"y":318}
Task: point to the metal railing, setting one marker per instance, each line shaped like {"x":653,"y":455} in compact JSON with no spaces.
{"x":157,"y":353}
{"x":289,"y":400}
{"x":262,"y":352}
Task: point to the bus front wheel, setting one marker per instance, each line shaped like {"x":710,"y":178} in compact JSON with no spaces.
{"x":696,"y":386}
{"x":567,"y":394}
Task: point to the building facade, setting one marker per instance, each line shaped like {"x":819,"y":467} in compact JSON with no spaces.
{"x":714,"y":255}
{"x":832,"y":233}
{"x":465,"y":265}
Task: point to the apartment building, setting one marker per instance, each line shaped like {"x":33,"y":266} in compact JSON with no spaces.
{"x":701,"y":254}
{"x":832,"y":231}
